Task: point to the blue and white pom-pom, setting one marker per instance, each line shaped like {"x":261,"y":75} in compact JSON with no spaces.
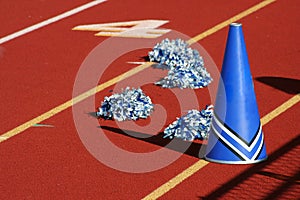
{"x":194,"y":125}
{"x":185,"y":64}
{"x":182,"y":77}
{"x":131,"y":104}
{"x":170,"y":52}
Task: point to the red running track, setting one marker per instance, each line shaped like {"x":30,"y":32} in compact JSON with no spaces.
{"x":38,"y":73}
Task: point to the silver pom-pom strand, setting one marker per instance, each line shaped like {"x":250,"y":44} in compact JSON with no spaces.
{"x":185,"y":78}
{"x":170,"y":52}
{"x":185,"y":64}
{"x":131,"y":104}
{"x":194,"y":125}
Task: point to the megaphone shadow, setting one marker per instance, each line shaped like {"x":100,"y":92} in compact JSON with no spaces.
{"x":195,"y":149}
{"x":277,"y":160}
{"x":287,"y":85}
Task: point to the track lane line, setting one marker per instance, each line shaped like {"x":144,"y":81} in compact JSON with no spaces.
{"x":280,"y":109}
{"x":50,"y":21}
{"x":72,"y":102}
{"x":230,"y":20}
{"x":172,"y":183}
{"x":127,"y":74}
{"x":196,"y":166}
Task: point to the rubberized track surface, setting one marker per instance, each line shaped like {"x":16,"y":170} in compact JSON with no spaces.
{"x":38,"y":73}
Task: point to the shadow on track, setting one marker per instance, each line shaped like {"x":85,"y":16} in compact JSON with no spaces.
{"x":287,"y":181}
{"x":195,"y":149}
{"x":287,"y":85}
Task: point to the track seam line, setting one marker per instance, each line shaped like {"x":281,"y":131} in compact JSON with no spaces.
{"x":50,"y":21}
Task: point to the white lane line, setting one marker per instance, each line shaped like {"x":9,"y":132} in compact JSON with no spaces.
{"x":136,"y":63}
{"x":50,"y":21}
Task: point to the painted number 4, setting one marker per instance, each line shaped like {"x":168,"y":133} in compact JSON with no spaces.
{"x":136,"y":29}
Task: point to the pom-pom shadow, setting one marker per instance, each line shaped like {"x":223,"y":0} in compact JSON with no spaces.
{"x":196,"y":150}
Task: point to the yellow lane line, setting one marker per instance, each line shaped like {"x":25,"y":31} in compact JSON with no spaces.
{"x":196,"y":166}
{"x":71,"y":102}
{"x":280,"y":109}
{"x":176,"y":180}
{"x":100,"y":87}
{"x":202,"y":163}
{"x":229,"y":21}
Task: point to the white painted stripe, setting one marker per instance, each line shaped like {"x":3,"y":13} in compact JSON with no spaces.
{"x":43,"y":125}
{"x":258,"y":150}
{"x":136,"y":63}
{"x":238,"y":140}
{"x":50,"y":21}
{"x":229,"y":144}
{"x":260,"y":133}
{"x":137,"y":29}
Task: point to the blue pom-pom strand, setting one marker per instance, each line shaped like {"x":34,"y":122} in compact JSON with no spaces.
{"x":131,"y":104}
{"x":170,"y":52}
{"x":185,"y":65}
{"x":194,"y":125}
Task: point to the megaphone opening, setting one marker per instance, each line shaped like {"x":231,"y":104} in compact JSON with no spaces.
{"x":235,"y":24}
